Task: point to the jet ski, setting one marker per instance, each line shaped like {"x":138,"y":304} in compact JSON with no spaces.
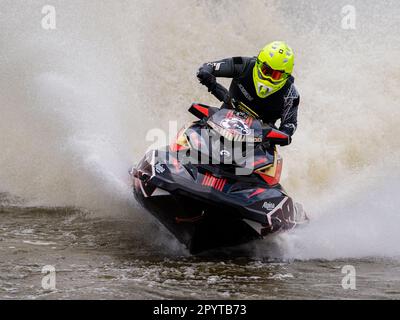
{"x":217,"y":184}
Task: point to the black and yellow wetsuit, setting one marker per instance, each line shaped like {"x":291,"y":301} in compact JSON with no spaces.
{"x":282,"y":104}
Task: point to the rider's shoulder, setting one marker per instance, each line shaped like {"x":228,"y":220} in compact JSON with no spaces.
{"x":243,"y":60}
{"x":291,"y":90}
{"x":291,"y":80}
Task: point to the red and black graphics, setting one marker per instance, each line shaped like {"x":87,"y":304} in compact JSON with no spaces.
{"x":209,"y":205}
{"x":180,"y":142}
{"x":176,"y":164}
{"x":234,"y":125}
{"x":272,"y":174}
{"x":249,"y":121}
{"x":230,"y":114}
{"x":216,"y":183}
{"x":281,"y":216}
{"x":196,"y":140}
{"x":277,"y":137}
{"x":202,"y":111}
{"x":260,"y":161}
{"x":257,"y":192}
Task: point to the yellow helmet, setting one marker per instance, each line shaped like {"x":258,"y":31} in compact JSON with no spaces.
{"x":273,"y":67}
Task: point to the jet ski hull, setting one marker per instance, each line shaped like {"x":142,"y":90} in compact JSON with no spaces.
{"x":204,"y":207}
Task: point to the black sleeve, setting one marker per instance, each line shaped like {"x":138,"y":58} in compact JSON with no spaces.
{"x":227,"y":68}
{"x":289,"y":114}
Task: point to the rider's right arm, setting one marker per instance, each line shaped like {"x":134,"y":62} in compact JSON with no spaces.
{"x":227,"y":68}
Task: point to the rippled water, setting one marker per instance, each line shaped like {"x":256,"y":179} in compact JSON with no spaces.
{"x":108,"y":258}
{"x":77,"y":103}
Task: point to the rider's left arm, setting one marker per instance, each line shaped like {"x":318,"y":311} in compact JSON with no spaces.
{"x":226,"y":68}
{"x":289,"y":114}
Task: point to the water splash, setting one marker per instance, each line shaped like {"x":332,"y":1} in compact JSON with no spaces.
{"x":77,"y":103}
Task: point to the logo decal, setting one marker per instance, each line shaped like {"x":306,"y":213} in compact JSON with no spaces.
{"x":245,"y":92}
{"x":216,"y":65}
{"x":237,"y":125}
{"x":268,"y":206}
{"x":225,"y":153}
{"x":159,"y":168}
{"x":263,"y":89}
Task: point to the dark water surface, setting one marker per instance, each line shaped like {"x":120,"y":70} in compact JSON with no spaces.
{"x":115,"y":258}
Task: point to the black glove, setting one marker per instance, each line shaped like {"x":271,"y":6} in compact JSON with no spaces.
{"x":228,"y":100}
{"x":233,"y":103}
{"x":288,"y":128}
{"x":206,"y":78}
{"x":221,"y":93}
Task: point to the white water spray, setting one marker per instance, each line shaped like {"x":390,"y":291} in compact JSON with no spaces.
{"x":77,"y":102}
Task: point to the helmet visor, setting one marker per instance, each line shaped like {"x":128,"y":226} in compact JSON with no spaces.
{"x":266,"y":72}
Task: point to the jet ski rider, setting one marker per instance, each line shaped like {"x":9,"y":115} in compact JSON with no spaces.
{"x":264,"y":84}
